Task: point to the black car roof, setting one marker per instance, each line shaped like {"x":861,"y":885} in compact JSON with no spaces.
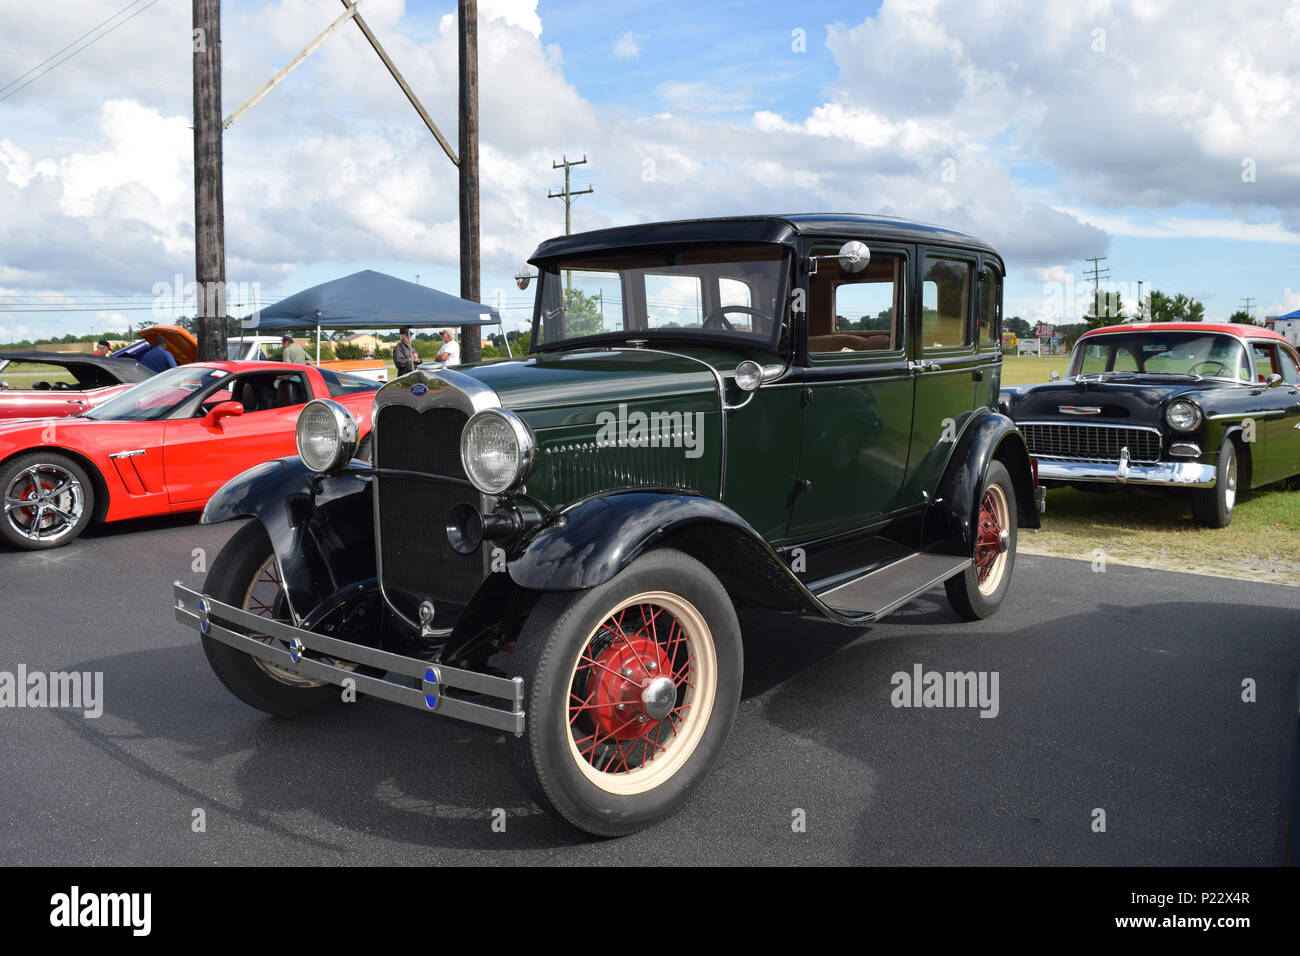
{"x":769,"y":228}
{"x":123,"y":369}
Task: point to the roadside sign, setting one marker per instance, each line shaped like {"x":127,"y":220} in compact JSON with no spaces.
{"x":1045,"y":331}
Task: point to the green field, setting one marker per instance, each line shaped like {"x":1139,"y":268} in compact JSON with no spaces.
{"x":1032,"y":369}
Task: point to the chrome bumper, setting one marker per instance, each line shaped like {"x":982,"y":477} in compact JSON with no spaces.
{"x":1175,"y":474}
{"x":232,"y":627}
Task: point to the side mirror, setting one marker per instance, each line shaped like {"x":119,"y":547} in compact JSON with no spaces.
{"x":222,"y":410}
{"x":1273,"y":381}
{"x":523,"y":277}
{"x":853,"y":258}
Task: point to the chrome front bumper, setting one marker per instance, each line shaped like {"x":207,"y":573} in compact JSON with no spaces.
{"x":1169,"y":473}
{"x":233,"y":627}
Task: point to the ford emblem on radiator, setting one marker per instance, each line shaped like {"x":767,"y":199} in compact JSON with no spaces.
{"x":1063,"y":409}
{"x":419,"y":388}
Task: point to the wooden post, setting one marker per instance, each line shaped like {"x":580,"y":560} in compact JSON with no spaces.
{"x":467,"y":14}
{"x":209,"y":202}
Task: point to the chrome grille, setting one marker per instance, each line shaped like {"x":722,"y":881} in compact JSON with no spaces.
{"x":1091,"y":442}
{"x":416,"y":559}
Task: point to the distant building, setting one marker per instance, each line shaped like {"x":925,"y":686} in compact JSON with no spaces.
{"x":366,"y":341}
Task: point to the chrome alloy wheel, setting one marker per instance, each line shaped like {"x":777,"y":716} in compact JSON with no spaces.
{"x":44,"y":502}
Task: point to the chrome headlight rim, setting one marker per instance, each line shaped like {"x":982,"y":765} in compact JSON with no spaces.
{"x":1189,"y":424}
{"x":346,"y":434}
{"x":525,"y":450}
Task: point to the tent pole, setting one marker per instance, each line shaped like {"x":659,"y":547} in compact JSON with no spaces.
{"x":318,"y":346}
{"x":505,"y":335}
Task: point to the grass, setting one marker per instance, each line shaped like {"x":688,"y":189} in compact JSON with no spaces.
{"x":1032,"y":369}
{"x":1261,"y":544}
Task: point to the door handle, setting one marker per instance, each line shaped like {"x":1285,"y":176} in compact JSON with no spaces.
{"x":923,"y":366}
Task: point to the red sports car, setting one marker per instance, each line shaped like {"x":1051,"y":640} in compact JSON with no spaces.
{"x":162,"y":446}
{"x":29,"y":389}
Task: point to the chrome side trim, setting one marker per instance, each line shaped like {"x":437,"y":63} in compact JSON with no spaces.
{"x":1264,"y":414}
{"x":127,"y":454}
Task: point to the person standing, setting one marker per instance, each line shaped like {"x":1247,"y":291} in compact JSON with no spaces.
{"x":103,"y":349}
{"x":449,"y":354}
{"x":293,"y":352}
{"x":158,"y":359}
{"x":405,"y":357}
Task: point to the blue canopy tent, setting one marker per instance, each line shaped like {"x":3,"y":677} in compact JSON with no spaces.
{"x":370,"y":300}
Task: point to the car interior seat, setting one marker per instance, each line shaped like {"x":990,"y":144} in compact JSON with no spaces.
{"x":289,"y":391}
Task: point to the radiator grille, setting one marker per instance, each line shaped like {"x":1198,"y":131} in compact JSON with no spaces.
{"x":416,"y":557}
{"x":1091,"y":442}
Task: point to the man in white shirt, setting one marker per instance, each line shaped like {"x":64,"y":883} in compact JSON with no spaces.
{"x":449,"y":354}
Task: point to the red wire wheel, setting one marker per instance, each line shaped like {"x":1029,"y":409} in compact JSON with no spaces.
{"x":991,"y":541}
{"x":642,"y":689}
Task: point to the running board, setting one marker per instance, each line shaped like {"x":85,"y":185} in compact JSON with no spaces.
{"x":894,"y":585}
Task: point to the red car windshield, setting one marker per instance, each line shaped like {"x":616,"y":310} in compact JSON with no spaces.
{"x":156,"y":397}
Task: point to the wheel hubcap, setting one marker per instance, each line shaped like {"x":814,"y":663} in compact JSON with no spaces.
{"x":641,"y":693}
{"x":1230,"y":484}
{"x":44,"y":502}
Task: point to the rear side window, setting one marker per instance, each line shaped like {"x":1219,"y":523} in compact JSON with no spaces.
{"x":945,"y":303}
{"x":1286,"y":364}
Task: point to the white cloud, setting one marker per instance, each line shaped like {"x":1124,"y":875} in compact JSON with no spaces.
{"x":627,"y":47}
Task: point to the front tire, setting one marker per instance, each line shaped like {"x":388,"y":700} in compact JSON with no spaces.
{"x":48,"y":501}
{"x":632,"y":688}
{"x":978,"y":591}
{"x":1213,"y":507}
{"x":246,"y":576}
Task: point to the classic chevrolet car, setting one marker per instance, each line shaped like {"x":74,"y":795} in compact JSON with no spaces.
{"x":791,"y":413}
{"x":161,"y":447}
{"x":1213,"y":409}
{"x":41,"y":384}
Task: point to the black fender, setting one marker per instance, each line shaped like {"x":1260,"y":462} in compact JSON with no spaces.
{"x":591,"y":541}
{"x":321,"y":527}
{"x":953,"y":514}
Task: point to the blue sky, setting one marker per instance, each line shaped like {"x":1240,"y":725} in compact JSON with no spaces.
{"x":1057,"y":132}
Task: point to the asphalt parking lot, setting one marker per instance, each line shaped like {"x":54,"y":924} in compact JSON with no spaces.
{"x":1119,"y":691}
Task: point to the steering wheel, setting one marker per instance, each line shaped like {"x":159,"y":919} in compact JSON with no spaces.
{"x":1222,"y":368}
{"x":717,"y":319}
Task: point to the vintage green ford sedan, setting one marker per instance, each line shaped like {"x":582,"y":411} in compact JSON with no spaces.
{"x":793,"y":413}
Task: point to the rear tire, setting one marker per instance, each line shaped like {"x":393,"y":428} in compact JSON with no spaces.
{"x":1213,"y":507}
{"x":978,"y":591}
{"x":245,"y":575}
{"x":632,"y":688}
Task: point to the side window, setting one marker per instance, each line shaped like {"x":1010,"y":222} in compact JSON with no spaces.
{"x":857,"y":313}
{"x":945,"y":303}
{"x":672,"y":302}
{"x":1287,"y":366}
{"x":1263,"y":361}
{"x":990,"y":313}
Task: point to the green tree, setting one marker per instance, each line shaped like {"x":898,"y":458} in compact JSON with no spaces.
{"x":1110,"y":305}
{"x":582,"y":314}
{"x":1241,"y":317}
{"x":1018,"y":327}
{"x":1177,"y":308}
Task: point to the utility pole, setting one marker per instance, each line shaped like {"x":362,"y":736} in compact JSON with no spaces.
{"x":467,"y":12}
{"x":1097,"y":275}
{"x":567,"y":196}
{"x":1140,"y":312}
{"x":1249,"y":303}
{"x":209,"y":201}
{"x":568,"y":193}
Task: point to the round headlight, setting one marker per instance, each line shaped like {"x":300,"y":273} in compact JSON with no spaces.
{"x":749,"y":375}
{"x":326,"y":434}
{"x":497,"y":450}
{"x":1182,"y":416}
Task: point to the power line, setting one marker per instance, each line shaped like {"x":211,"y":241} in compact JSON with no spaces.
{"x":568,"y":193}
{"x":83,"y":46}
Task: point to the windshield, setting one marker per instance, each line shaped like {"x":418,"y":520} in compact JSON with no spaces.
{"x":153,"y":398}
{"x":1203,"y":354}
{"x":235,"y":350}
{"x":723,"y":292}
